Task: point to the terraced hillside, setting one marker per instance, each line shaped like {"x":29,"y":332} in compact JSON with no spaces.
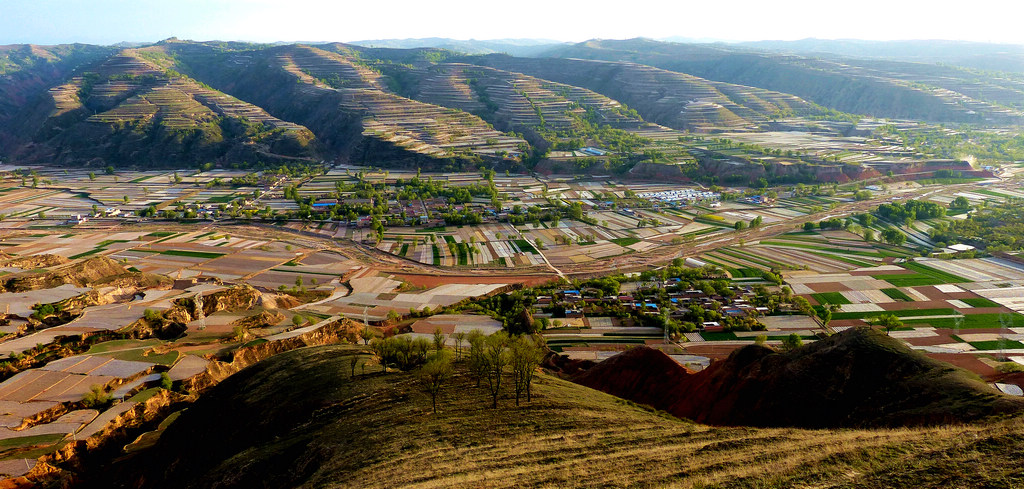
{"x":299,"y":420}
{"x":345,"y":103}
{"x":130,"y":109}
{"x":674,"y":99}
{"x":877,"y":88}
{"x":27,"y":71}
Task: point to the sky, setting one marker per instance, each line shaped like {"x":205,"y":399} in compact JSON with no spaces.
{"x":111,"y":21}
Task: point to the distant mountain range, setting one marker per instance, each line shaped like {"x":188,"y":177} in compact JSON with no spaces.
{"x":514,"y":47}
{"x":468,"y":104}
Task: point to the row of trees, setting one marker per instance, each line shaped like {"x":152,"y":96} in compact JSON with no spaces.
{"x":489,"y":360}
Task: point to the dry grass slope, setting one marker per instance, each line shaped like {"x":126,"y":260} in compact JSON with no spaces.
{"x":298,"y":420}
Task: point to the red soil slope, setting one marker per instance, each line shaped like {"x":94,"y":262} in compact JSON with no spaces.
{"x":856,"y":378}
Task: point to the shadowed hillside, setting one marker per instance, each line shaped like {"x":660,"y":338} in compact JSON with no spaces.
{"x":856,"y":378}
{"x":27,"y":71}
{"x":298,"y":420}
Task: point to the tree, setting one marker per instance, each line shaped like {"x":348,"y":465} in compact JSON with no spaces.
{"x":152,"y":315}
{"x":109,"y":170}
{"x":297,"y":320}
{"x":739,"y":225}
{"x":96,"y":397}
{"x":477,"y":364}
{"x":809,"y":226}
{"x":438,"y":339}
{"x":803,"y":305}
{"x":825,"y":314}
{"x":525,"y":356}
{"x":353,"y":362}
{"x":496,"y":359}
{"x":367,"y":334}
{"x":887,"y":321}
{"x":460,"y":336}
{"x":92,"y":175}
{"x":894,"y":237}
{"x":383,"y":351}
{"x":165,"y":381}
{"x":792,"y":342}
{"x":435,"y":373}
{"x":960,"y":203}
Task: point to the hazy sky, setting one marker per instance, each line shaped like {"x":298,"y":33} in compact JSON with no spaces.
{"x":110,"y":21}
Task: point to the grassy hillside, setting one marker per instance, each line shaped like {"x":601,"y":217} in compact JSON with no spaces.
{"x":299,"y":420}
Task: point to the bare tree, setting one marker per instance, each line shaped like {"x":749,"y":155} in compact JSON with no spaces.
{"x":459,"y":336}
{"x":353,"y":362}
{"x":496,"y":359}
{"x":525,"y":356}
{"x":438,"y":339}
{"x":435,"y":373}
{"x":477,"y":362}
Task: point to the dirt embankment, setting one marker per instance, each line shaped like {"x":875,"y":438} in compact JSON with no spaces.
{"x":32,"y":262}
{"x":95,"y":271}
{"x":858,"y":378}
{"x":82,"y":456}
{"x":343,"y":330}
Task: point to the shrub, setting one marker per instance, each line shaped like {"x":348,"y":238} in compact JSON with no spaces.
{"x":1009,"y":368}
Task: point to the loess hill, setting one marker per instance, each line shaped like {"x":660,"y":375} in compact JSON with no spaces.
{"x":856,"y":378}
{"x":299,"y":420}
{"x":181,"y":103}
{"x":880,"y":88}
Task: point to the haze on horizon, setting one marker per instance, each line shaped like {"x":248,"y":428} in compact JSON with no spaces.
{"x":112,"y":21}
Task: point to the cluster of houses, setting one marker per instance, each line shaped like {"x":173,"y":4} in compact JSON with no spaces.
{"x":758,"y":200}
{"x":686,"y":196}
{"x":577,"y":303}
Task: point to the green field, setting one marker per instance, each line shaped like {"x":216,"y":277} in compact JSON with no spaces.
{"x":897,"y":294}
{"x":624,"y":242}
{"x":922,"y":275}
{"x":997,"y":345}
{"x":525,"y":246}
{"x":971,"y":321}
{"x":906,"y":313}
{"x":221,"y":199}
{"x":979,"y":302}
{"x":830,"y":298}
